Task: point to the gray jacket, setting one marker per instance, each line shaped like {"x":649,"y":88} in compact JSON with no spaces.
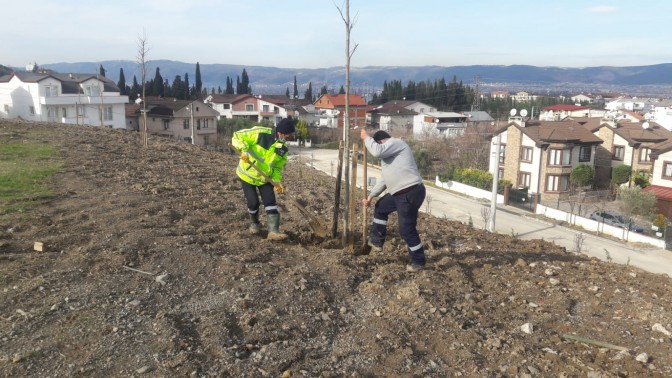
{"x":399,"y":169}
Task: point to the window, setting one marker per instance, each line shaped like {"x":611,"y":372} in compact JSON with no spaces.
{"x":265,"y":108}
{"x":502,"y":153}
{"x":6,"y":108}
{"x":557,"y":183}
{"x":619,"y":152}
{"x":667,"y":170}
{"x":31,"y":109}
{"x":107,"y":113}
{"x":524,"y":179}
{"x":50,"y":91}
{"x":644,"y":155}
{"x":249,"y":107}
{"x":585,"y":153}
{"x":166,"y":124}
{"x":81,"y":110}
{"x":526,"y":154}
{"x":185,"y":124}
{"x":92,"y":90}
{"x":198,"y":124}
{"x":205,"y":123}
{"x":500,"y":172}
{"x":226,"y":106}
{"x":52,"y":112}
{"x":64,"y":112}
{"x":559,"y":157}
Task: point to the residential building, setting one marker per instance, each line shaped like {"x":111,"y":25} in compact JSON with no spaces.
{"x":540,"y":155}
{"x":499,"y":94}
{"x":416,"y":106}
{"x":583,"y":99}
{"x":434,"y":124}
{"x":331,"y":109}
{"x":634,"y":104}
{"x":661,"y":113}
{"x":628,"y":143}
{"x":478,"y":116}
{"x":391,"y":116}
{"x":47,"y":96}
{"x":179,"y":119}
{"x":271,"y":108}
{"x":661,"y":178}
{"x":560,"y":112}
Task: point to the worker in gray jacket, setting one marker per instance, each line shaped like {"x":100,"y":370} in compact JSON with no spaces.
{"x":405,"y":194}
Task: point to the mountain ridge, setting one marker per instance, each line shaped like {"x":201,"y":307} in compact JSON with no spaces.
{"x":266,"y":79}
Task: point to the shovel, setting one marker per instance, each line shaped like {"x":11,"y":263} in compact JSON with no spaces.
{"x":316,"y":225}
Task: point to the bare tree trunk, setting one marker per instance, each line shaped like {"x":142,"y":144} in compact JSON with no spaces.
{"x":337,"y":194}
{"x":143,"y":49}
{"x":346,"y":117}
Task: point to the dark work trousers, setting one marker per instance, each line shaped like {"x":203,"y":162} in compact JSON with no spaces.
{"x":406,"y":205}
{"x":252,"y":198}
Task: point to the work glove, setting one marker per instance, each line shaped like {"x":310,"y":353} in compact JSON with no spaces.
{"x":279,"y":188}
{"x":245,"y":157}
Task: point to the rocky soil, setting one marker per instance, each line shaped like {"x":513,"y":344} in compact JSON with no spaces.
{"x":148,"y":270}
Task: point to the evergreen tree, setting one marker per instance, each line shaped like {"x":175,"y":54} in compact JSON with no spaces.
{"x":296,"y":89}
{"x":245,"y":83}
{"x":136,"y":90}
{"x":309,"y":92}
{"x":158,"y":89}
{"x":122,"y":83}
{"x":178,"y":87}
{"x":229,"y":86}
{"x":287,"y":92}
{"x":199,"y":83}
{"x":185,"y":94}
{"x":167,"y":90}
{"x":102,"y":71}
{"x":239,"y":88}
{"x":219,"y":89}
{"x":323,"y":90}
{"x":342,"y":90}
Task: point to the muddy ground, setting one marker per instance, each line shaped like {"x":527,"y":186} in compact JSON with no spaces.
{"x":148,"y":270}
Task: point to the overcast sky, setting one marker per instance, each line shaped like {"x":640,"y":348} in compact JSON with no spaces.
{"x":311,"y":33}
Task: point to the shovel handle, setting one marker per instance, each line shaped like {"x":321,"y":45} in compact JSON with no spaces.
{"x":264,"y":174}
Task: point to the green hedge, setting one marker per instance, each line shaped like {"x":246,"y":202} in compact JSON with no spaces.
{"x":472,"y":177}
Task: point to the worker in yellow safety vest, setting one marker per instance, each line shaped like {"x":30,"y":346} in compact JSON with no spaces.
{"x":261,"y":147}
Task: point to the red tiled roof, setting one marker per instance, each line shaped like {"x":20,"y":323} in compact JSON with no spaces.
{"x":660,"y":192}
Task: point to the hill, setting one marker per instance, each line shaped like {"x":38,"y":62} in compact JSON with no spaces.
{"x":148,"y":268}
{"x":655,"y":79}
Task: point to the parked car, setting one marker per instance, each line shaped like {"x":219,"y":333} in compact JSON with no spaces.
{"x":615,"y":219}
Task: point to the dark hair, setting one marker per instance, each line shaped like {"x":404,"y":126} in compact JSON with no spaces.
{"x":380,"y":135}
{"x":285,"y":126}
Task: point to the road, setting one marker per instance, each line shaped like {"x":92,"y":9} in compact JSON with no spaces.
{"x":442,"y":203}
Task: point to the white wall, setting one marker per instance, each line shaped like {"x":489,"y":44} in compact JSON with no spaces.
{"x":599,"y":227}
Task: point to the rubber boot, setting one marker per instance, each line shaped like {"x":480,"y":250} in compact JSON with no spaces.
{"x":273,"y":228}
{"x":255,"y":227}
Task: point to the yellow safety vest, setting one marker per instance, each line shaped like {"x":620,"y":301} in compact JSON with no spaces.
{"x":264,"y":150}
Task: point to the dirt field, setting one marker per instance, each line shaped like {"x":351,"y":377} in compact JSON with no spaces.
{"x":148,"y":270}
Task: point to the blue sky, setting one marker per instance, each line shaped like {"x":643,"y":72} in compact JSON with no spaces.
{"x":311,"y":33}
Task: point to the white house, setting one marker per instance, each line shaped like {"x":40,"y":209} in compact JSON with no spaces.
{"x":634,"y":104}
{"x":661,"y":113}
{"x":85,"y":99}
{"x":432,"y":124}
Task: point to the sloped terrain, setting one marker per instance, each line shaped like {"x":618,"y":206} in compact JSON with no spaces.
{"x":148,"y":270}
